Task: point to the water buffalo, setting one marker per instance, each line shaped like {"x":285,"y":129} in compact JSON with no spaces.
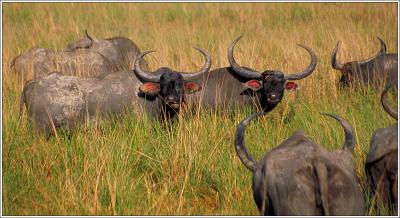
{"x":299,"y":177}
{"x":170,"y":87}
{"x":244,"y":86}
{"x":37,"y":62}
{"x":374,"y":71}
{"x":382,"y":161}
{"x":56,"y":100}
{"x":121,"y":51}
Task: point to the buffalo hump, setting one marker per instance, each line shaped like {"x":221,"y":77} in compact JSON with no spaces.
{"x":297,"y":182}
{"x":300,"y":177}
{"x":38,"y":62}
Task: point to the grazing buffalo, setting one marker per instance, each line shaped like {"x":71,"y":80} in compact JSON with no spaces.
{"x":375,"y":71}
{"x":121,"y":51}
{"x":382,"y":161}
{"x":244,"y":86}
{"x":299,"y":177}
{"x":56,"y":100}
{"x":37,"y":62}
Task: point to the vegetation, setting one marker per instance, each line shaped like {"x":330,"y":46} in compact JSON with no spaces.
{"x":132,"y":165}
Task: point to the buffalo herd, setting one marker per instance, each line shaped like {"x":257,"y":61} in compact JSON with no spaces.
{"x":94,"y":78}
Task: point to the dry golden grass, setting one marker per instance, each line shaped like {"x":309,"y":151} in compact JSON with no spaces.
{"x":132,"y":165}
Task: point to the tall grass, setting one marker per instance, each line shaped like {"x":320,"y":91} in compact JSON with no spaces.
{"x":133,"y":165}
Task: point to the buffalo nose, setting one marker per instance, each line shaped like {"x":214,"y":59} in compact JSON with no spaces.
{"x":171,"y":99}
{"x":273,"y":96}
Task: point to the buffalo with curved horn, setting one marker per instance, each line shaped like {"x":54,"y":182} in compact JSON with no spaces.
{"x":374,"y":71}
{"x":382,"y":161}
{"x":300,"y":177}
{"x":168,"y":85}
{"x":242,"y":85}
{"x":121,"y":51}
{"x":58,"y":101}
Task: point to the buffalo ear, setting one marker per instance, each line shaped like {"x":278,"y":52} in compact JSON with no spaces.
{"x":149,"y":88}
{"x":253,"y":84}
{"x":192,"y":87}
{"x":291,"y":86}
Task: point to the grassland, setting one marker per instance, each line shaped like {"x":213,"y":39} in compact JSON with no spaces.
{"x":133,"y":166}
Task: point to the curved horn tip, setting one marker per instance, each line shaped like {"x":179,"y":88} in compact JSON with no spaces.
{"x":144,"y":75}
{"x":199,"y":49}
{"x":383,"y":44}
{"x":207,"y":65}
{"x":334,"y":63}
{"x":308,"y":71}
{"x":143,"y":54}
{"x":337,"y":46}
{"x":349,"y":141}
{"x":303,"y":46}
{"x":312,"y":53}
{"x":337,"y":117}
{"x":147,"y":52}
{"x":328,"y":114}
{"x":237,"y":39}
{"x":89,"y":37}
{"x":233,"y":44}
{"x":242,"y":72}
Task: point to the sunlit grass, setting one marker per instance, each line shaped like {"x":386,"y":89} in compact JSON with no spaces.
{"x":133,"y":165}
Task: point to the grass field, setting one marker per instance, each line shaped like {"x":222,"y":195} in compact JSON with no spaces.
{"x":132,"y":165}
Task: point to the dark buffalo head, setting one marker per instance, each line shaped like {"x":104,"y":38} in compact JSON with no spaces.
{"x":169,"y":85}
{"x":270,"y":84}
{"x":351,"y":70}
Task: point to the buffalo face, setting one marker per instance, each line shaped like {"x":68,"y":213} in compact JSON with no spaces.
{"x":273,"y":86}
{"x":171,"y":88}
{"x":269,"y":85}
{"x":347,"y":72}
{"x":168,"y":85}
